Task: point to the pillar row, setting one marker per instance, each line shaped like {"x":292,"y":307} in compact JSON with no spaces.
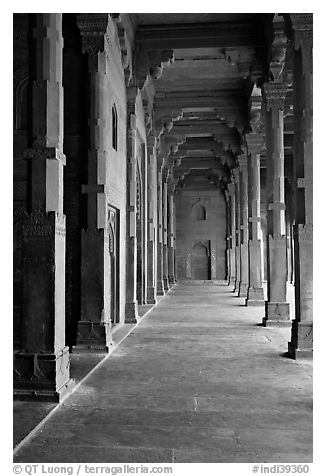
{"x":276,"y":309}
{"x":42,"y":366}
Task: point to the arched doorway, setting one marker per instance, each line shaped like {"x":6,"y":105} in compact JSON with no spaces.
{"x":201,"y":266}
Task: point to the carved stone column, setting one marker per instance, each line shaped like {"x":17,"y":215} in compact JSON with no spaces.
{"x":243,"y":189}
{"x":171,"y":235}
{"x":301,"y":340}
{"x":276,"y":309}
{"x":255,"y":291}
{"x":131,"y":309}
{"x":159,"y":282}
{"x":41,"y":367}
{"x":236,"y":174}
{"x":289,"y":212}
{"x":165,"y":174}
{"x":151,"y":222}
{"x":232,"y":246}
{"x":94,"y":328}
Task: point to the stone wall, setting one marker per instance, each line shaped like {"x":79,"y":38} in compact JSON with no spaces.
{"x":201,"y":231}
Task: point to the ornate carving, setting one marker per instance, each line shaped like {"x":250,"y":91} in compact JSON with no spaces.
{"x":45,"y":153}
{"x":38,"y":224}
{"x":158,"y":60}
{"x":93,"y":27}
{"x":255,"y":109}
{"x":302,"y":24}
{"x":304,"y":232}
{"x":255,"y":143}
{"x":278,"y":48}
{"x":274,"y":95}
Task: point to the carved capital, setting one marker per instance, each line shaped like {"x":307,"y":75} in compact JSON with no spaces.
{"x":255,"y":102}
{"x":278,"y":48}
{"x":93,"y":29}
{"x":152,"y":63}
{"x":302,"y":24}
{"x":255,"y":143}
{"x":274,"y":95}
{"x":158,"y":60}
{"x":243,"y":162}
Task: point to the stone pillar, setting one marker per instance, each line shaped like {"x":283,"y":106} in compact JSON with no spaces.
{"x":94,"y":328}
{"x":255,"y":292}
{"x":165,"y":173}
{"x":301,"y":340}
{"x":41,"y":367}
{"x":276,"y":308}
{"x":151,"y":222}
{"x":236,"y":173}
{"x":159,"y":282}
{"x":243,"y":195}
{"x":228,"y":237}
{"x":289,"y":230}
{"x":232,"y":247}
{"x":171,"y":236}
{"x":131,"y":309}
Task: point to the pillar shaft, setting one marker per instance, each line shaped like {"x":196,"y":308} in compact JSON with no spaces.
{"x":151,"y":222}
{"x":41,"y":368}
{"x":165,"y":229}
{"x":131,"y":225}
{"x":237,"y":232}
{"x":255,"y":291}
{"x":94,"y":327}
{"x":243,"y":199}
{"x":171,"y":236}
{"x":232,"y":243}
{"x":277,"y":309}
{"x":301,"y":339}
{"x":159,"y":283}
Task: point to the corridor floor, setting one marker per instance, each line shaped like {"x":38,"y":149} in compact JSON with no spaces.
{"x":198,"y":380}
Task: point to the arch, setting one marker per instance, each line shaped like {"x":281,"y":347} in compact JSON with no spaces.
{"x":114,"y":118}
{"x":201,"y":266}
{"x":21,"y":104}
{"x":200,"y":250}
{"x":200,"y":212}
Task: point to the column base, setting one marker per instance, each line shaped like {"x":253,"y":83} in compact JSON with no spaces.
{"x":172,"y":280}
{"x":301,"y":345}
{"x":255,"y":297}
{"x":231,"y":282}
{"x":243,"y":290}
{"x":43,"y":377}
{"x":151,"y":299}
{"x":160,"y":288}
{"x":166,"y":284}
{"x":277,"y":314}
{"x":94,"y":336}
{"x":236,"y":287}
{"x":131,"y":316}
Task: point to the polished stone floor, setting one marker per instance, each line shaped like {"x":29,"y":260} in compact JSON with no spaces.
{"x":197,"y":380}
